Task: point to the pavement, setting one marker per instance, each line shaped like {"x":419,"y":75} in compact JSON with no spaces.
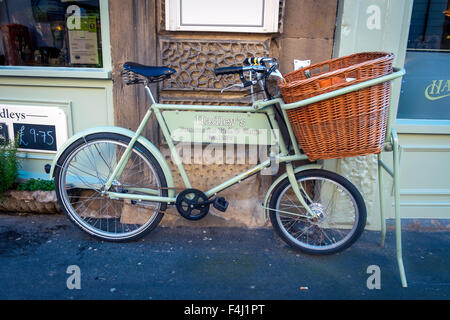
{"x":37,"y":252}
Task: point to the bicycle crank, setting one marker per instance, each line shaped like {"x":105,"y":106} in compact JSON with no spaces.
{"x":193,"y":204}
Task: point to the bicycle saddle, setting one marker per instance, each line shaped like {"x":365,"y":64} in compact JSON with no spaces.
{"x":148,"y":71}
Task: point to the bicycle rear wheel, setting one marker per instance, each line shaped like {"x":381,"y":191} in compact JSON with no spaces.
{"x":80,"y":176}
{"x":339,"y":207}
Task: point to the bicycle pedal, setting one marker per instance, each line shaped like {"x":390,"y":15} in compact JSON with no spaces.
{"x":220,"y":204}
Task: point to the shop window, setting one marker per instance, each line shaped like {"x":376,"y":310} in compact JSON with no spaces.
{"x":430,"y":25}
{"x":54,"y":33}
{"x":426,"y":85}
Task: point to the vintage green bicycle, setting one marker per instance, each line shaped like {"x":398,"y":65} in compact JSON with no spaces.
{"x":102,"y":174}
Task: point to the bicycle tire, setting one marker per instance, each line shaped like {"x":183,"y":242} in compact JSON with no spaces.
{"x":75,"y":217}
{"x":299,"y":243}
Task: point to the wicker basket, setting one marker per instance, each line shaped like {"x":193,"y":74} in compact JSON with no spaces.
{"x":348,"y":125}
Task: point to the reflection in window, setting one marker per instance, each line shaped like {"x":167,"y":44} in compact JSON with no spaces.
{"x":56,"y":33}
{"x":430,"y":25}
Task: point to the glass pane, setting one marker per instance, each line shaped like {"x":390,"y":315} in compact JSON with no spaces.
{"x":56,"y":33}
{"x":430,"y":25}
{"x":426,"y":87}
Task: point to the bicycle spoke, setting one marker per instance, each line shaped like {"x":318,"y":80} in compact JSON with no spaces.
{"x":325,"y":198}
{"x":88,"y":168}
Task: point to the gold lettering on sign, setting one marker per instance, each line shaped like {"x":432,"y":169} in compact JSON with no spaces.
{"x":438,"y":89}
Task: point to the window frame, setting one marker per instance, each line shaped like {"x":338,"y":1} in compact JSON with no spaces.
{"x":269,"y":24}
{"x":72,"y":72}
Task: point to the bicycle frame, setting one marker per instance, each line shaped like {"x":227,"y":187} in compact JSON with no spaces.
{"x":261,"y":106}
{"x":283,"y":156}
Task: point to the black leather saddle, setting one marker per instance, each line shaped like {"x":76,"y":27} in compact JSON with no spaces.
{"x":151,"y":72}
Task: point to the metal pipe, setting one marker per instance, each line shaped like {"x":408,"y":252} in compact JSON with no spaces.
{"x":380,"y":190}
{"x":173,"y":150}
{"x":139,"y":197}
{"x":398,"y":225}
{"x":295,"y":187}
{"x":386,"y":167}
{"x":204,"y":108}
{"x":237,"y":178}
{"x":127,"y":153}
{"x":149,"y":93}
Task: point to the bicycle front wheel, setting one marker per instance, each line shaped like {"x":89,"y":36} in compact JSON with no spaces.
{"x":83,"y":170}
{"x":338,"y":207}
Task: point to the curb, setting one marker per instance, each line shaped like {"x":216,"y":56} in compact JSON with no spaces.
{"x":422,"y":224}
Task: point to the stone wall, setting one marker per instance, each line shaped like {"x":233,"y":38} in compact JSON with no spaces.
{"x":308,"y":32}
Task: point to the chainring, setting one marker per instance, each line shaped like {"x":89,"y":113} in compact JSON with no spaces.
{"x":192,"y":204}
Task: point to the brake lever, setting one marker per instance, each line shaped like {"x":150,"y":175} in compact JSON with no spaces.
{"x":278,"y":74}
{"x":240,"y":85}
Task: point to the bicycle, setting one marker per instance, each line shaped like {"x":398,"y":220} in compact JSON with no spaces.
{"x":102,"y":173}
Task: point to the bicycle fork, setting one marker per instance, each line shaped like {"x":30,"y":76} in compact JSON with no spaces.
{"x":298,"y":190}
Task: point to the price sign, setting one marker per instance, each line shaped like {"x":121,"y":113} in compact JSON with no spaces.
{"x":35,"y":136}
{"x":36,"y":128}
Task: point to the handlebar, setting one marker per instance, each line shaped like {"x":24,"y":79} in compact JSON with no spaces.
{"x":239,"y":69}
{"x":261,"y":65}
{"x":258,"y":61}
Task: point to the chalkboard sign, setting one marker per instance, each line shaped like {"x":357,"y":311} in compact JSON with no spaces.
{"x":35,"y":136}
{"x":4,"y":136}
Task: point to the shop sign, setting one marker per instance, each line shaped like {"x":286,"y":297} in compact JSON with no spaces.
{"x":438,"y":89}
{"x":36,"y":128}
{"x":220,"y":127}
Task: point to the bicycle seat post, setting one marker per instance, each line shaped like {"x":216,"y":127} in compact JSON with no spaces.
{"x":149,"y":92}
